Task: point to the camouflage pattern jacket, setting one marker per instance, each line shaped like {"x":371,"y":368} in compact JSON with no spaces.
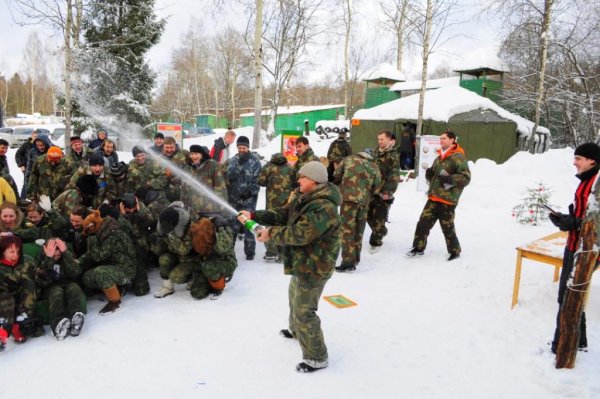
{"x":308,"y":228}
{"x":147,"y":175}
{"x":110,"y":245}
{"x":106,"y":185}
{"x":276,"y":176}
{"x":66,"y":201}
{"x":388,"y":162}
{"x":339,"y":149}
{"x":51,"y":225}
{"x":60,"y":272}
{"x":48,"y":179}
{"x":173,"y":188}
{"x":211,"y":176}
{"x":140,"y":223}
{"x":78,"y":160}
{"x":12,"y":277}
{"x":242,"y":182}
{"x":452,"y":163}
{"x":358,"y":178}
{"x":308,"y":156}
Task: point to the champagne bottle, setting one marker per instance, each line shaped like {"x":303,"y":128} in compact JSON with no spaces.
{"x":251,"y":225}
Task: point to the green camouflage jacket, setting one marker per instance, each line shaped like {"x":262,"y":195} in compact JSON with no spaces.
{"x":78,"y":160}
{"x":308,"y":156}
{"x":453,"y":163}
{"x":61,"y":272}
{"x":148,"y":175}
{"x":51,"y":225}
{"x":276,"y":176}
{"x":210,"y":175}
{"x":308,"y":229}
{"x":110,"y":246}
{"x":358,"y":178}
{"x":48,"y":179}
{"x":339,"y":149}
{"x":388,"y":162}
{"x":12,"y":278}
{"x":173,"y":188}
{"x":106,"y":185}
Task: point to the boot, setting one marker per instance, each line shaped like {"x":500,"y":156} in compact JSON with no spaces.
{"x":3,"y":338}
{"x":62,"y":329}
{"x":77,"y":322}
{"x":309,"y":366}
{"x":344,"y":267}
{"x":114,"y":301}
{"x":165,"y":290}
{"x":17,"y":334}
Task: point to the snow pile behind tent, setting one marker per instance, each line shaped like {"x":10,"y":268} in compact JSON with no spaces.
{"x":441,"y":105}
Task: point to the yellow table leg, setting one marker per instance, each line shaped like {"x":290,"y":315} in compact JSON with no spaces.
{"x":515,"y":297}
{"x":556,"y":273}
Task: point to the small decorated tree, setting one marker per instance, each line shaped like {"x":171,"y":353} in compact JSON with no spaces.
{"x":532,"y":210}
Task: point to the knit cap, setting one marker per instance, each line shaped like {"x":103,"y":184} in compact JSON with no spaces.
{"x":589,"y":151}
{"x":315,"y":171}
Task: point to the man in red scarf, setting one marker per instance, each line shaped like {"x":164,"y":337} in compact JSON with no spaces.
{"x":587,"y":161}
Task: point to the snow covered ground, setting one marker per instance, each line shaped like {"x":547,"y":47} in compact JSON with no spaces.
{"x":423,"y":327}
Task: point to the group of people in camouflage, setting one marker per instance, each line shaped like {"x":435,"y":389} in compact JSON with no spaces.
{"x":101,"y":226}
{"x":88,"y":228}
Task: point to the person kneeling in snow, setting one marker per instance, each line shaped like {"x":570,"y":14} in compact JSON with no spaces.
{"x":200,"y":253}
{"x":58,"y":274}
{"x":109,"y":260}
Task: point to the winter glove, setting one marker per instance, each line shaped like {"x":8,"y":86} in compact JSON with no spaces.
{"x":220,"y":222}
{"x":45,"y":203}
{"x":429,"y":173}
{"x":565,"y":222}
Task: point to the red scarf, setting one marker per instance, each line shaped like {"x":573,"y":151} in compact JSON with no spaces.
{"x":8,"y":262}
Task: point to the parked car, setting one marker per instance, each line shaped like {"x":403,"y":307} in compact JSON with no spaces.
{"x":21,"y":134}
{"x":198,"y":131}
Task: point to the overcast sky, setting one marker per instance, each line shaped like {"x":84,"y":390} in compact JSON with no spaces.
{"x":478,"y":40}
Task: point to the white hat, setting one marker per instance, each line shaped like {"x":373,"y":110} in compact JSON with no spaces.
{"x":315,"y":171}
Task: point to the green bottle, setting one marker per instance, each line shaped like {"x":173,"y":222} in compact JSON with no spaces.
{"x":251,"y":225}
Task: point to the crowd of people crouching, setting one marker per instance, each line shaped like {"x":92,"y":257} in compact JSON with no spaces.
{"x":84,"y":228}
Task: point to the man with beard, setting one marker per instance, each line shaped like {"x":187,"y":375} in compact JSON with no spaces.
{"x":242,"y":189}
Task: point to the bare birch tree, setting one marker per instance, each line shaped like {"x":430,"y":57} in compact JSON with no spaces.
{"x":398,"y":21}
{"x":64,"y":17}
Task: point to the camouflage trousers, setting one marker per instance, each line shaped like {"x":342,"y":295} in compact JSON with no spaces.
{"x":65,"y":301}
{"x":177,"y":269}
{"x":144,"y":260}
{"x":304,"y":295}
{"x":432,"y":212}
{"x":353,"y":218}
{"x":105,"y":276}
{"x":237,"y":230}
{"x":377,"y":216}
{"x":13,"y":304}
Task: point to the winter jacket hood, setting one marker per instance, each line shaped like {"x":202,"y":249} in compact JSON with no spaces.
{"x":182,"y":222}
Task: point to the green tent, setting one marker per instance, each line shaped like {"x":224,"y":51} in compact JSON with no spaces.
{"x":484,"y":129}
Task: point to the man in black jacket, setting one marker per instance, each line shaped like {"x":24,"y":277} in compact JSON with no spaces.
{"x":22,"y":155}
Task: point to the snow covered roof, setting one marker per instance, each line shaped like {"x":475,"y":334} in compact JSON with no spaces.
{"x":430,"y":84}
{"x":384,"y":71}
{"x":440,"y":105}
{"x":296,"y":109}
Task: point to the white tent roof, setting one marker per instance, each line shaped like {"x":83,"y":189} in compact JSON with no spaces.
{"x":384,"y":71}
{"x":430,"y":84}
{"x":440,"y":105}
{"x":296,"y":109}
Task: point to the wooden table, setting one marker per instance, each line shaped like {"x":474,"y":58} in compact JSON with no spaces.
{"x":547,"y":250}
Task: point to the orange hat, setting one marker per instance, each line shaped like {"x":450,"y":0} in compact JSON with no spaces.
{"x":54,"y":152}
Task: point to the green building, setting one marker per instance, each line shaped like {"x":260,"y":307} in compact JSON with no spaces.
{"x":487,"y":82}
{"x":378,"y":83}
{"x":293,"y":118}
{"x":212,"y":121}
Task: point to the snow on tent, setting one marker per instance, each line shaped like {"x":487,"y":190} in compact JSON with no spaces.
{"x":484,"y":129}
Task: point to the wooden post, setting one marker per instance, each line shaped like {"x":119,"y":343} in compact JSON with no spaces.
{"x":574,"y":299}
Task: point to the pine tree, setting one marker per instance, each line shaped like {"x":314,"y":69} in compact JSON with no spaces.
{"x":113,"y":70}
{"x":532,"y":210}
